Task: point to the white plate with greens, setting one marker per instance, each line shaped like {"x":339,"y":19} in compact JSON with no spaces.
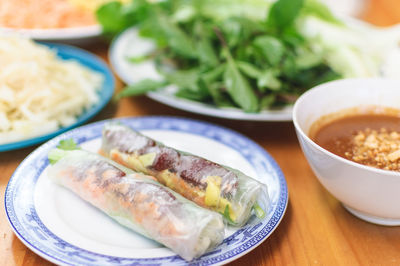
{"x":241,"y":65}
{"x":122,"y":48}
{"x":64,"y":229}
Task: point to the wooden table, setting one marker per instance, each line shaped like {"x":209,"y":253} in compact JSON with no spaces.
{"x":316,"y":229}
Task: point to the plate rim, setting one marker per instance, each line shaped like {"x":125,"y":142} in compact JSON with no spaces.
{"x":280,"y":209}
{"x":105,"y":93}
{"x":285,"y":115}
{"x":56,"y":34}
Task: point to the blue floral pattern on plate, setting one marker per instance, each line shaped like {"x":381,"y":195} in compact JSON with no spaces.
{"x":21,"y":213}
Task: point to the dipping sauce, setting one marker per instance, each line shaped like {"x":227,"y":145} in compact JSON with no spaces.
{"x":369,"y":136}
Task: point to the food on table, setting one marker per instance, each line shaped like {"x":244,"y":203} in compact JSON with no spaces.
{"x":43,"y":14}
{"x":38,"y":91}
{"x":48,"y":14}
{"x":92,"y":5}
{"x":206,"y":183}
{"x":137,"y":202}
{"x":369,"y":136}
{"x":252,"y":55}
{"x":231,"y":61}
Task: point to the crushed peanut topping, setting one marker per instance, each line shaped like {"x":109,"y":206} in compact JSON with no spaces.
{"x":376,"y":148}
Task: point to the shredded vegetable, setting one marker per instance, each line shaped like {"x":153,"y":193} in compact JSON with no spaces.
{"x":40,"y":92}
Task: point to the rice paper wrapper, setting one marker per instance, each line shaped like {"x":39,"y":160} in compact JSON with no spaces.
{"x":139,"y":203}
{"x":208,"y":184}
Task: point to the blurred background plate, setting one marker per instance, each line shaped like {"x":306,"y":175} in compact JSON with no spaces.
{"x":77,"y":35}
{"x":92,"y":62}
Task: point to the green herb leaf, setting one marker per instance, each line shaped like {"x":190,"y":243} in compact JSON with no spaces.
{"x":140,"y":88}
{"x":307,"y":59}
{"x":150,"y":28}
{"x":206,"y":52}
{"x":220,"y":98}
{"x":189,"y":84}
{"x":184,"y":79}
{"x":177,"y":39}
{"x":320,"y":10}
{"x":65,"y":145}
{"x":68,"y":144}
{"x":138,"y":59}
{"x":55,"y":155}
{"x":283,"y":13}
{"x":115,"y":17}
{"x":109,"y":16}
{"x":289,"y":68}
{"x":238,"y":87}
{"x":269,"y":80}
{"x":268,"y":101}
{"x":227,"y":215}
{"x":270,"y":48}
{"x":214,"y":74}
{"x":213,"y":82}
{"x":205,"y":49}
{"x":249,"y":70}
{"x":237,"y":30}
{"x":258,"y":211}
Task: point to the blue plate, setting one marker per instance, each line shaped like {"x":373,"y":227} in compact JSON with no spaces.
{"x":94,"y":63}
{"x":36,"y":228}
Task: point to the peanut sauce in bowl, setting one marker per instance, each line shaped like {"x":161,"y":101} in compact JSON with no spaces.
{"x":349,"y":132}
{"x":370,"y":137}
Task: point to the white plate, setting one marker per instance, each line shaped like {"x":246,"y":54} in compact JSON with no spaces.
{"x":76,"y":35}
{"x":64,"y":229}
{"x":123,"y":48}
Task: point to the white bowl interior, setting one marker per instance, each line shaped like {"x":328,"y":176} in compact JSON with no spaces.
{"x":338,"y":95}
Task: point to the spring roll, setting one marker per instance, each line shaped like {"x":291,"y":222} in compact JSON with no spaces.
{"x":138,"y":202}
{"x":208,"y":184}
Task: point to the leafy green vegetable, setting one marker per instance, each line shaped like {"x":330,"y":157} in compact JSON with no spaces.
{"x":56,"y":154}
{"x":138,"y":59}
{"x":268,"y":101}
{"x":115,"y":17}
{"x":248,"y":54}
{"x":204,"y":46}
{"x":189,"y":82}
{"x":213,"y":74}
{"x":249,"y":69}
{"x":271,"y":48}
{"x":185,"y":79}
{"x":316,"y":8}
{"x":259,"y":212}
{"x":109,"y":17}
{"x":141,"y":87}
{"x":176,"y":38}
{"x":239,"y":88}
{"x":283,"y":13}
{"x":268,"y":79}
{"x":67,"y":144}
{"x":227,"y":215}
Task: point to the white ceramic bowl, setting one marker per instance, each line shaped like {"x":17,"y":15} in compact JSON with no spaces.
{"x":370,"y":194}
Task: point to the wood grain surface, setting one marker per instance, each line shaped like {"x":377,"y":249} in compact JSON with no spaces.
{"x":316,"y":229}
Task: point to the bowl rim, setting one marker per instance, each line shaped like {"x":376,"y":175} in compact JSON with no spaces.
{"x":330,"y":85}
